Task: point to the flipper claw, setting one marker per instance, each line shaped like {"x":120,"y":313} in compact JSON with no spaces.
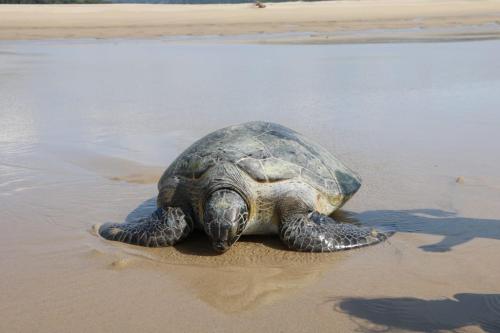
{"x":315,"y":232}
{"x":164,"y":227}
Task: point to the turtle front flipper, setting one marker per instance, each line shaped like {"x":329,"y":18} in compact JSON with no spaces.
{"x":164,"y":227}
{"x":315,"y":232}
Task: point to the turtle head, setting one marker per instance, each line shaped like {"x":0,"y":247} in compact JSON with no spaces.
{"x":226,"y":215}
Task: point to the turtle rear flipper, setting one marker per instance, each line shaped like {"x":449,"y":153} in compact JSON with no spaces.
{"x":164,"y":227}
{"x":315,"y":232}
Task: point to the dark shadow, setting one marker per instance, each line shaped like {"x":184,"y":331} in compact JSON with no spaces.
{"x":456,"y":230}
{"x":426,"y":315}
{"x":145,"y":209}
{"x":271,"y":241}
{"x":197,"y":243}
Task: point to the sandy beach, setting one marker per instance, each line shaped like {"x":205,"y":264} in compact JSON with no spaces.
{"x":328,"y":21}
{"x":87,"y":127}
{"x":97,"y":100}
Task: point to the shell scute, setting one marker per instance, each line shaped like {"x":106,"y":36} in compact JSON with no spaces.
{"x":267,"y":152}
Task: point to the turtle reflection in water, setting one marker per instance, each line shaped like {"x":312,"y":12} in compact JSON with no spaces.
{"x":253,"y":178}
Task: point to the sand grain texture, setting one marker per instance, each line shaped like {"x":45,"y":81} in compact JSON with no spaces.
{"x":337,"y":21}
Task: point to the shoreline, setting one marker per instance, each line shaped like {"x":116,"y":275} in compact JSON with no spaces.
{"x":312,"y":22}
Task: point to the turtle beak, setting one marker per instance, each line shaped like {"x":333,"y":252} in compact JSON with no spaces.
{"x":222,"y":236}
{"x":221,"y":247}
{"x":225,"y":218}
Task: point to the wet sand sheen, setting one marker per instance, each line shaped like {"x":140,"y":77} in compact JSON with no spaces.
{"x":259,"y":271}
{"x":410,"y":118}
{"x":115,"y":168}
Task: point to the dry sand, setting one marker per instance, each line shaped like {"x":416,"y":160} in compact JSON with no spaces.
{"x":329,"y":21}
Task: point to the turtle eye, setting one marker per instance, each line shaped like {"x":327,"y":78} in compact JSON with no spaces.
{"x":242,"y":222}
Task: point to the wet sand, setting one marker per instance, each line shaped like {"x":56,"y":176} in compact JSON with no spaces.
{"x":316,"y":22}
{"x":86,"y":128}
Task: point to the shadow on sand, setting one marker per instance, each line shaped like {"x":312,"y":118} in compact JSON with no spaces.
{"x":456,"y":230}
{"x":198,"y":243}
{"x":426,"y":315}
{"x":258,"y":270}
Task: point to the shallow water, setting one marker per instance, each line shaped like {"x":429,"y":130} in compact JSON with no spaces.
{"x":87,"y":127}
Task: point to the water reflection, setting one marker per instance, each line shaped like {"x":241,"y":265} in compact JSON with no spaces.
{"x":257,"y":270}
{"x":416,"y":314}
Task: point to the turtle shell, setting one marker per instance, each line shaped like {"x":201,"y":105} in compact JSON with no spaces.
{"x":268,"y":153}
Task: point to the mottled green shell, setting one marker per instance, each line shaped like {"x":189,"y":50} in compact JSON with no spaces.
{"x":267,"y":152}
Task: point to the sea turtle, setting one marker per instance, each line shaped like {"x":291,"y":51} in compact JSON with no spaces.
{"x":253,"y":178}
